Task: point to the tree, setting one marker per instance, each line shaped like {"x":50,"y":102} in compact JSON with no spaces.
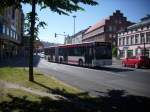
{"x":39,"y":24}
{"x":114,"y":51}
{"x":58,"y":6}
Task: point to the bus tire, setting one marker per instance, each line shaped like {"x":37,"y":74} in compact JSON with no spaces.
{"x":60,"y":60}
{"x":48,"y":59}
{"x":80,"y":62}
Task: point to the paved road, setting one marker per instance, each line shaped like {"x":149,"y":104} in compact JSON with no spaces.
{"x":96,"y":81}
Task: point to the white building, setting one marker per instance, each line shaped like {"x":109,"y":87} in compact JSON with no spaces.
{"x":135,"y":40}
{"x":75,"y":39}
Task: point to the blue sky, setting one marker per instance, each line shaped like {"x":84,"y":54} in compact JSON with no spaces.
{"x":134,"y":10}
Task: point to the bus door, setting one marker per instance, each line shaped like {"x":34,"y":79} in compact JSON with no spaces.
{"x":56,"y":54}
{"x":65,"y":55}
{"x":88,"y":55}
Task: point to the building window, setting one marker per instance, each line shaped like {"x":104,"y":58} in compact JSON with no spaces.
{"x":132,"y":39}
{"x":121,"y":53}
{"x":16,"y":36}
{"x":123,"y":40}
{"x":127,"y":40}
{"x":3,"y":29}
{"x":13,"y":13}
{"x":146,"y":52}
{"x":147,"y":37}
{"x":11,"y":33}
{"x":7,"y":29}
{"x":110,"y":28}
{"x":114,"y":28}
{"x":142,"y":38}
{"x":119,"y":41}
{"x":116,"y":21}
{"x":136,"y":38}
{"x":136,"y":52}
{"x":129,"y":53}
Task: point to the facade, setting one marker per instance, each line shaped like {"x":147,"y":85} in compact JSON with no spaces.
{"x":106,"y":29}
{"x":135,"y":40}
{"x":68,"y":40}
{"x":77,"y":38}
{"x":11,"y":31}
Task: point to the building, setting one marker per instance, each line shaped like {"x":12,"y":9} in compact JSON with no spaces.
{"x":11,"y":31}
{"x":75,"y":39}
{"x":105,"y":30}
{"x":68,"y":40}
{"x":135,"y":39}
{"x":78,"y":37}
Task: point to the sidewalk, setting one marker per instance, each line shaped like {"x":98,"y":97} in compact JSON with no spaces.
{"x":116,"y":61}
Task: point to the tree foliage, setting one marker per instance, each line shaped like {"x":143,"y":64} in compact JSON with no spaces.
{"x":27,"y":24}
{"x":59,"y":6}
{"x":114,"y":51}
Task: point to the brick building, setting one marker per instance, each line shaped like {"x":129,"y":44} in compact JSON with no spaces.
{"x":135,"y":39}
{"x":105,"y":30}
{"x":11,"y":31}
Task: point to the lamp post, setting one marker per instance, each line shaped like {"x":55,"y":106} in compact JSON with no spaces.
{"x":74,"y":17}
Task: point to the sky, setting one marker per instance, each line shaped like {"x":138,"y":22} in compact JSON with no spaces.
{"x":134,"y":10}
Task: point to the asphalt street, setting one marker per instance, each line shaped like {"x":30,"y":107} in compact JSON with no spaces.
{"x":99,"y":80}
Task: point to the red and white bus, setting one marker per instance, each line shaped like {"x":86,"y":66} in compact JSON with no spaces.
{"x":85,"y":54}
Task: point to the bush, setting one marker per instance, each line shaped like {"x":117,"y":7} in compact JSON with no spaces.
{"x":114,"y":51}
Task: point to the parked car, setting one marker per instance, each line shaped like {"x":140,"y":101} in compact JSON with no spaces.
{"x":137,"y":62}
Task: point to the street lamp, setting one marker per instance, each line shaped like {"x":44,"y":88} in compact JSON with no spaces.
{"x":74,"y":17}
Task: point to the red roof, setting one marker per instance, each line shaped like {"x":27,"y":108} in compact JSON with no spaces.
{"x":97,"y":25}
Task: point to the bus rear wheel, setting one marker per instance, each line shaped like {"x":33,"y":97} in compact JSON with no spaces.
{"x":80,"y":62}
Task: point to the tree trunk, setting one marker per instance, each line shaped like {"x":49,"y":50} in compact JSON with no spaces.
{"x":31,"y":77}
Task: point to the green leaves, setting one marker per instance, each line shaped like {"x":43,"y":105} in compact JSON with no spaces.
{"x":59,"y":6}
{"x":65,"y":6}
{"x":27,"y":24}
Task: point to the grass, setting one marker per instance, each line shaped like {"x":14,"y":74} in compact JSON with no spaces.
{"x":42,"y":82}
{"x":6,"y":94}
{"x":14,"y":100}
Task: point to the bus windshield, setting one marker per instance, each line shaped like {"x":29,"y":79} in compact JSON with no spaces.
{"x":103,"y":52}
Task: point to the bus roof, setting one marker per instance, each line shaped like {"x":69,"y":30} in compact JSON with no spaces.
{"x":81,"y":44}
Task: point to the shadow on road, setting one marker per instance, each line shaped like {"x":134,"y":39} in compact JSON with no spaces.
{"x":113,"y":69}
{"x":104,"y":68}
{"x":19,"y":61}
{"x":111,"y":101}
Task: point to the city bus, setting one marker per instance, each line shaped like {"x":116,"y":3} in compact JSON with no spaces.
{"x":90,"y":54}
